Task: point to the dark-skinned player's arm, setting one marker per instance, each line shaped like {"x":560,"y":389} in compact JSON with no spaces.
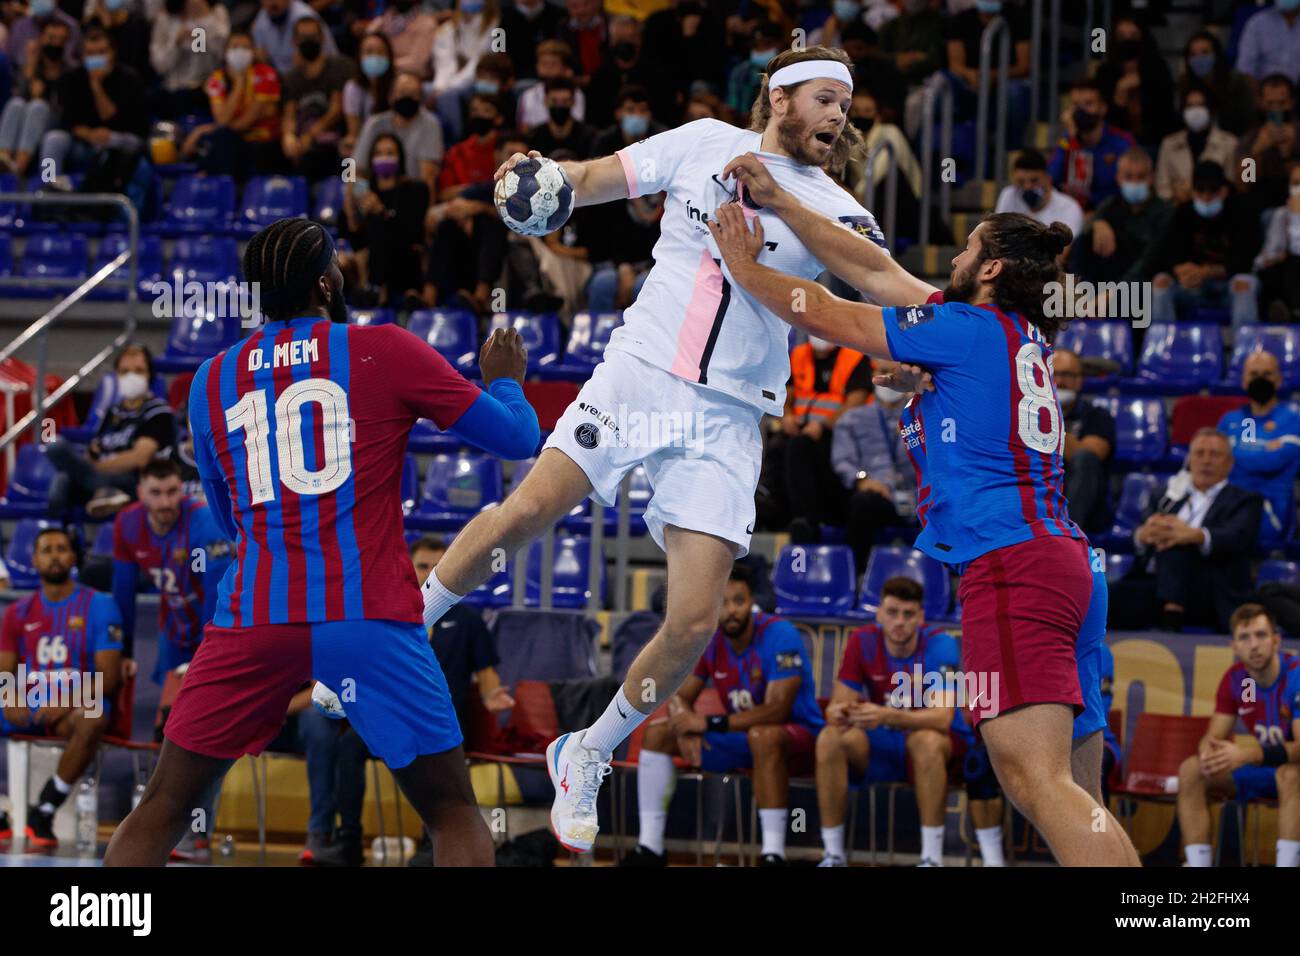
{"x":855,"y":258}
{"x":803,"y":303}
{"x":594,"y":181}
{"x":778,"y":702}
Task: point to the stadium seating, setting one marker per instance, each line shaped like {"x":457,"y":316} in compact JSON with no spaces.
{"x":205,"y":259}
{"x":329,"y":202}
{"x":1141,"y":431}
{"x":268,"y":198}
{"x":1178,"y":357}
{"x":426,"y":438}
{"x":198,"y":205}
{"x":372,"y":317}
{"x":18,"y":556}
{"x":102,"y":546}
{"x":149,"y":268}
{"x":1194,"y":412}
{"x":1110,"y":342}
{"x":196,"y":337}
{"x":410,"y":484}
{"x":456,"y":487}
{"x":29,"y":486}
{"x":588,"y":336}
{"x":1283,"y":341}
{"x":571,"y":573}
{"x":540,"y":332}
{"x":1273,"y":570}
{"x":1135,"y":499}
{"x":815,"y":580}
{"x":52,"y":256}
{"x":887,"y":562}
{"x":6,"y":255}
{"x":1118,"y":565}
{"x":453,"y":332}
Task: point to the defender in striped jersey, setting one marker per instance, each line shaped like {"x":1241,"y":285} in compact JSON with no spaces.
{"x":995,"y":505}
{"x":300,"y":435}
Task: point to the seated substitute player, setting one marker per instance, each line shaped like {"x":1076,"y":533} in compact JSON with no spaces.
{"x":300,"y":432}
{"x":757,"y":663}
{"x":1261,"y":687}
{"x":882,"y":726}
{"x":65,"y":628}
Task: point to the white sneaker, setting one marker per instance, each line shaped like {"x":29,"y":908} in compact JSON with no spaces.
{"x":576,"y":773}
{"x":926,"y":861}
{"x":833,"y":861}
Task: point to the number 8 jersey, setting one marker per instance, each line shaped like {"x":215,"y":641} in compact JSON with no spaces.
{"x":990,"y":471}
{"x":300,"y":437}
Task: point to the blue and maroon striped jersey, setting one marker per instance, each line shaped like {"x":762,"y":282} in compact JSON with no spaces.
{"x":61,"y":635}
{"x":172,"y":564}
{"x":1267,"y":712}
{"x":992,"y":426}
{"x":300,"y":435}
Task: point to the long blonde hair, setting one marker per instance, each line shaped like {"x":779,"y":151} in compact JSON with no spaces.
{"x":850,"y":141}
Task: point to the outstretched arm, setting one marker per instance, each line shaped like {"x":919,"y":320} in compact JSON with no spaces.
{"x":803,"y":303}
{"x":853,"y":257}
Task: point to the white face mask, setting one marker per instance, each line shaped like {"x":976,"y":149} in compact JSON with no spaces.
{"x":239,"y":59}
{"x":131,"y":385}
{"x":1067,"y":396}
{"x":1197,"y":118}
{"x":821,"y":346}
{"x":889,"y":395}
{"x":1295,"y":189}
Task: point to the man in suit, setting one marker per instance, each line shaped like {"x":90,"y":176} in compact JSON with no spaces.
{"x":1194,"y":549}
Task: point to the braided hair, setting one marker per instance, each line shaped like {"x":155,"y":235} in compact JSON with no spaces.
{"x":1029,"y":252}
{"x":285,"y":260}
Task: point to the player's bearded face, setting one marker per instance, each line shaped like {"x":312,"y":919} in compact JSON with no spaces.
{"x":962,"y":285}
{"x":736,"y":612}
{"x":54,"y":564}
{"x":806,"y":137}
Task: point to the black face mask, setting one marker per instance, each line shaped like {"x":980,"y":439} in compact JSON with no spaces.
{"x":1128,"y":50}
{"x":1085,"y":121}
{"x":864,"y":123}
{"x":479,"y":125}
{"x":52,"y":51}
{"x":310,"y":49}
{"x":406,"y":106}
{"x":279,"y":19}
{"x":560,"y":114}
{"x":625,"y":51}
{"x":1261,"y":391}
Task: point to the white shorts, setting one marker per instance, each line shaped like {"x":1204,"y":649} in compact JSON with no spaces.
{"x":701,"y":448}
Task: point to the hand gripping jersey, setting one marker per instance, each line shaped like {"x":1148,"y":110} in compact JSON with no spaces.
{"x":690,"y":318}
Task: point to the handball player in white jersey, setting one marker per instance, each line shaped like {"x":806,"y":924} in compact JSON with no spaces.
{"x":695,"y":352}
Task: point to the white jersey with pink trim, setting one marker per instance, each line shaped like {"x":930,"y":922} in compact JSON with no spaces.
{"x":690,"y":318}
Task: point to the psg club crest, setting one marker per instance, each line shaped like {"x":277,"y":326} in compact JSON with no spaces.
{"x":587,"y":435}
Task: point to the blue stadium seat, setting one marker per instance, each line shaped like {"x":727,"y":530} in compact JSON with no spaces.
{"x":425,"y":438}
{"x":103,"y":544}
{"x":588,"y":336}
{"x":540,"y":332}
{"x":1272,"y":570}
{"x":205,"y":258}
{"x":8,"y":210}
{"x":1141,"y":430}
{"x":889,"y":562}
{"x":453,"y":332}
{"x":1283,"y":341}
{"x":1100,"y":339}
{"x":268,"y":198}
{"x":29,"y":486}
{"x":371,"y":316}
{"x":149,"y":267}
{"x":456,"y":488}
{"x":6,"y":255}
{"x":571,"y":563}
{"x":814,"y":580}
{"x":52,"y":255}
{"x":196,"y":337}
{"x":198,"y":205}
{"x":1136,"y":497}
{"x":410,"y":484}
{"x":1117,"y":565}
{"x":18,"y":556}
{"x":329,"y":202}
{"x":1178,"y":358}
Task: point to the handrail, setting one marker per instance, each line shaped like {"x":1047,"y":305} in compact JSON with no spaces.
{"x":891,"y":187}
{"x":1035,"y":63}
{"x":936,"y":88}
{"x":998,"y":29}
{"x":129,"y":257}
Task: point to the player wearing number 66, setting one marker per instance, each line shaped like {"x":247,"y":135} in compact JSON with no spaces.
{"x":300,"y":435}
{"x":990,"y":477}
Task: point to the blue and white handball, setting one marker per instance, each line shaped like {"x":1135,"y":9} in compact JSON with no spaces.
{"x":535,"y":197}
{"x":327,"y":702}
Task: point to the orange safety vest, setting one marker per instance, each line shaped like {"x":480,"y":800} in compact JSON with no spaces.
{"x":809,"y":401}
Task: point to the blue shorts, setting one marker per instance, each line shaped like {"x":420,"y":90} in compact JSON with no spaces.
{"x":170,"y":657}
{"x":1255,"y":783}
{"x":722,"y":753}
{"x":887,"y":758}
{"x":237,"y":689}
{"x":1087,"y":651}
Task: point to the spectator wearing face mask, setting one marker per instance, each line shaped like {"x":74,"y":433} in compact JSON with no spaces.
{"x":554,"y":59}
{"x":1200,"y":139}
{"x":1120,"y":242}
{"x":561,"y":131}
{"x":244,"y":96}
{"x":36,"y":103}
{"x":384,"y":212}
{"x":1086,"y":159}
{"x":417,"y":128}
{"x":1137,"y":83}
{"x":409,"y":30}
{"x":622,"y":68}
{"x":311,"y":123}
{"x":870,"y":458}
{"x":825,"y":381}
{"x":494,"y":76}
{"x":1206,"y":255}
{"x":369,"y":93}
{"x":864,"y":113}
{"x":1089,"y":443}
{"x":274,"y":32}
{"x":1265,"y":438}
{"x":1272,"y":144}
{"x":1205,"y":65}
{"x":129,"y":30}
{"x":745,"y":78}
{"x":1270,"y":42}
{"x":1278,"y":263}
{"x":24,"y":35}
{"x":461,"y":41}
{"x":1030,"y":193}
{"x":137,"y":428}
{"x":171,"y":53}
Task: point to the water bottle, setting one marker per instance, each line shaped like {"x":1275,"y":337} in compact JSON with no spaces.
{"x":137,"y":795}
{"x":87,"y":817}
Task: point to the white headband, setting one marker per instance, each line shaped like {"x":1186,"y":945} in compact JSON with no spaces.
{"x":811,"y":70}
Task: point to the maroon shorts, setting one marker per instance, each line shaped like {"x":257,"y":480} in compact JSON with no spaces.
{"x":1021,"y":610}
{"x":236,"y":692}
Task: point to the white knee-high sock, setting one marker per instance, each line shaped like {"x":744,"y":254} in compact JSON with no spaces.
{"x":655,"y":777}
{"x":772,"y":822}
{"x":833,"y":840}
{"x":614,"y":725}
{"x":990,"y":840}
{"x":438,"y":600}
{"x":1199,"y":854}
{"x":932,"y":844}
{"x":1288,"y":852}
